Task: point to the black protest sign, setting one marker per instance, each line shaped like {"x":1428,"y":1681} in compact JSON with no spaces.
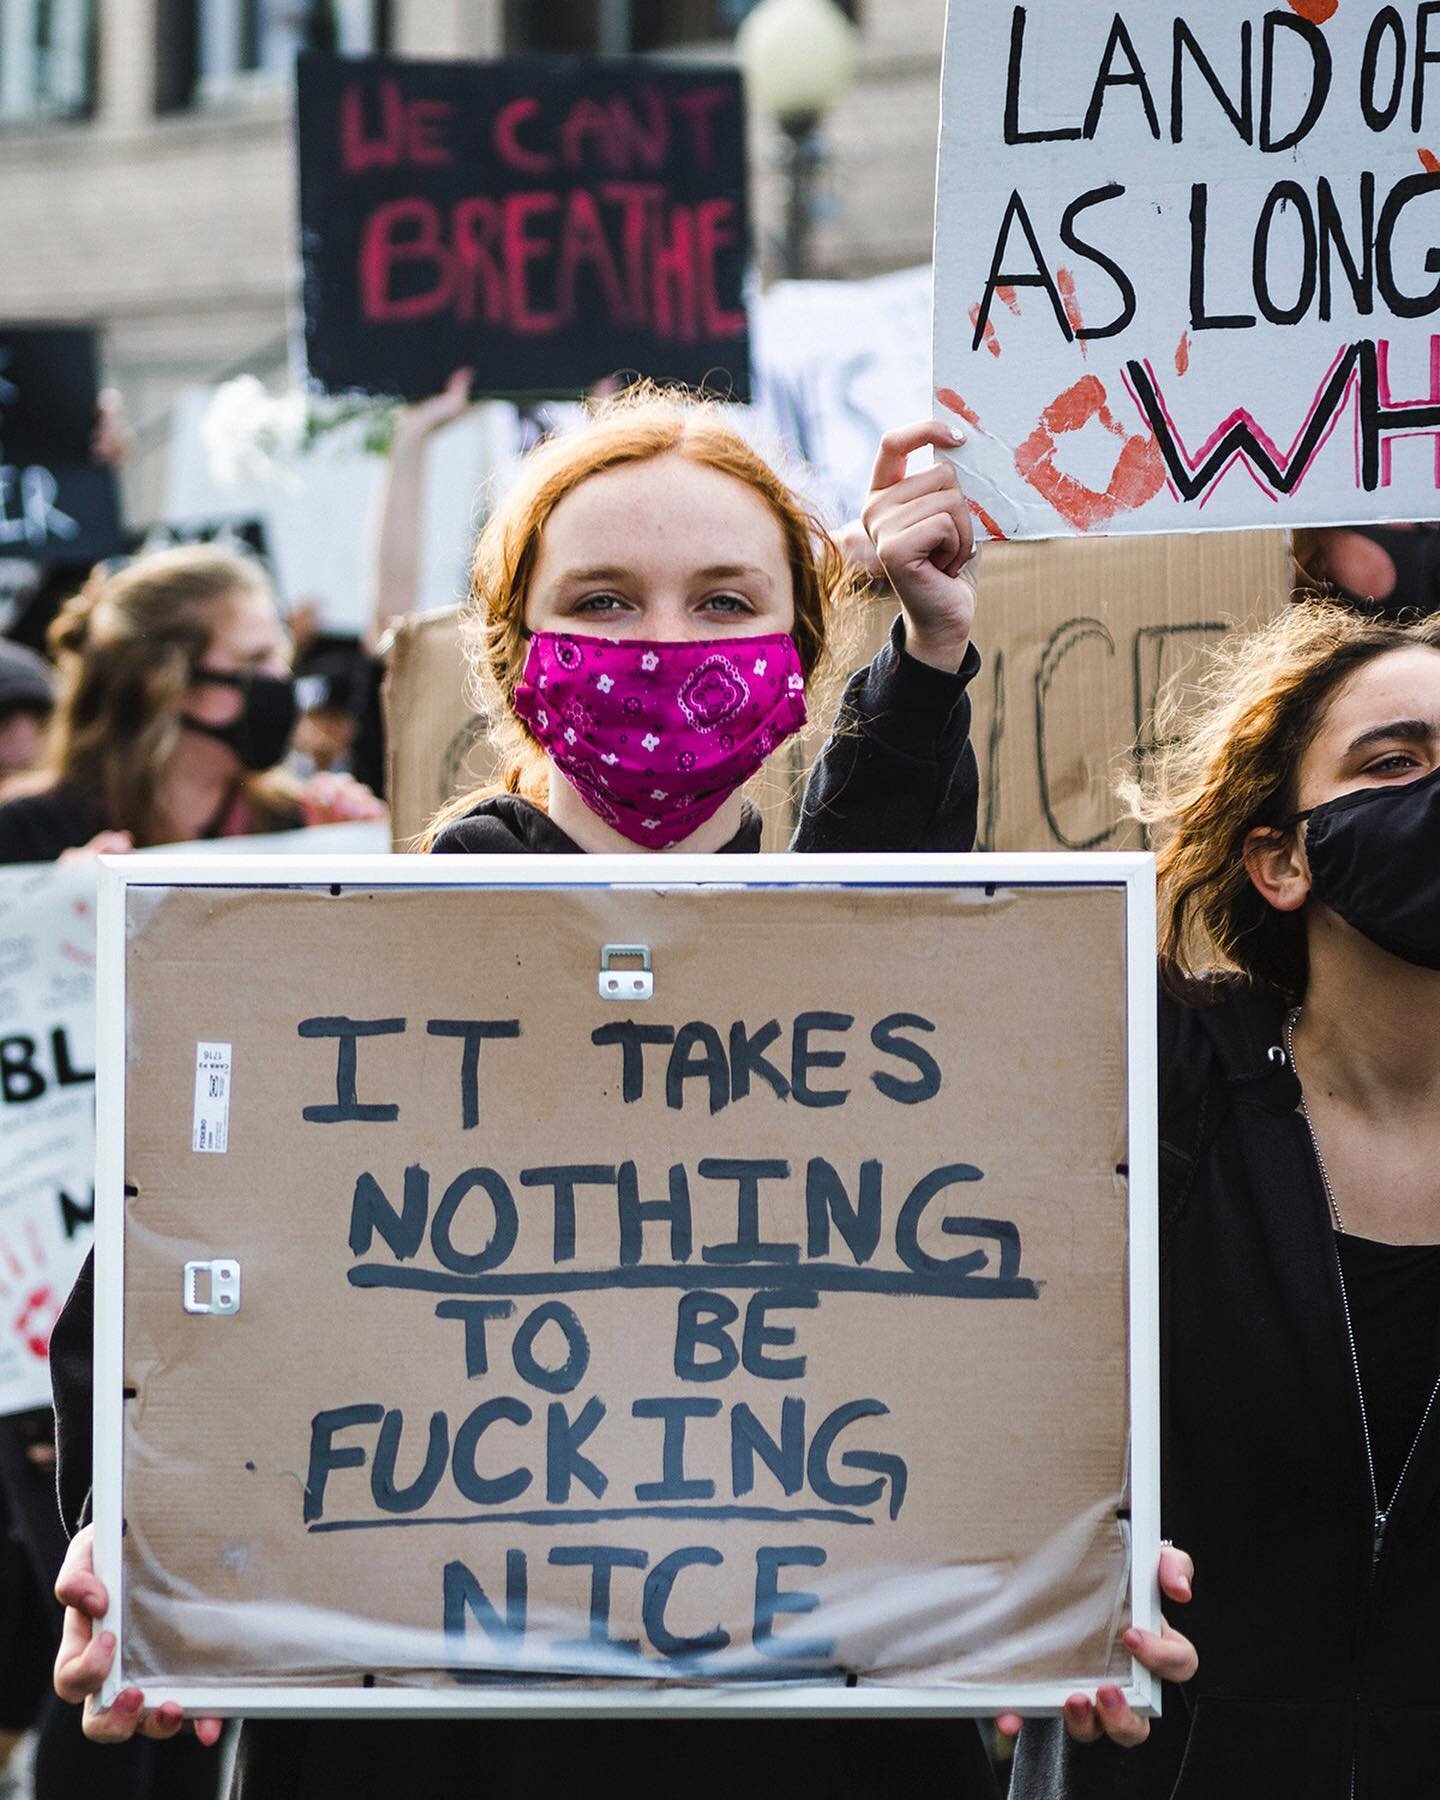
{"x":56,"y":502}
{"x":548,"y":222}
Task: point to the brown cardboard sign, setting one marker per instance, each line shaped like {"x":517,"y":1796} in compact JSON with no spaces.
{"x":486,"y":1320}
{"x":1080,"y":638}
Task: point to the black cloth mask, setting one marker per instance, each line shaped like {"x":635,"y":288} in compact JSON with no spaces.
{"x":261,"y":734}
{"x":1416,"y":556}
{"x":1374,"y":858}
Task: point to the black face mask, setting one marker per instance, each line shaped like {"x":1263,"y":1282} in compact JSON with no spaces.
{"x":1416,"y":556}
{"x":261,"y":735}
{"x":1375,"y":859}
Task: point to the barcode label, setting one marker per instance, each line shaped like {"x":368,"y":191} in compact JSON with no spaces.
{"x":212,"y":1099}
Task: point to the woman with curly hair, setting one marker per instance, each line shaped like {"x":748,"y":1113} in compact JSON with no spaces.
{"x":1297,"y":812}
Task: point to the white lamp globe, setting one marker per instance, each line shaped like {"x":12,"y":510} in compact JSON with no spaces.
{"x":798,"y":56}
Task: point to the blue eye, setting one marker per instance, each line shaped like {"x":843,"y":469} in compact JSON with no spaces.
{"x":599,"y":603}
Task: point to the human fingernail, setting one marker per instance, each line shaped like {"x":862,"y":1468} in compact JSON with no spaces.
{"x":1182,"y":1586}
{"x":129,"y":1700}
{"x":957,"y":434}
{"x":1135,"y":1639}
{"x":107,"y":1641}
{"x":1110,"y":1698}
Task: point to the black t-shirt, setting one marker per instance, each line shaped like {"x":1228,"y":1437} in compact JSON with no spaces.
{"x":1394,"y":1296}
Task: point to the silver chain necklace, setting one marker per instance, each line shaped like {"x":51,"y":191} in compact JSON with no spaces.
{"x":1309,"y":1123}
{"x":1382,"y":1513}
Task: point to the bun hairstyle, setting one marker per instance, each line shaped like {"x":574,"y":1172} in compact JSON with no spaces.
{"x":1229,"y":763}
{"x":638,"y":425}
{"x":126,"y":647}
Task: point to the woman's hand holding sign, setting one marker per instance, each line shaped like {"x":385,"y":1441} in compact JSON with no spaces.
{"x":85,"y":1655}
{"x":925,"y":543}
{"x":1166,"y":1653}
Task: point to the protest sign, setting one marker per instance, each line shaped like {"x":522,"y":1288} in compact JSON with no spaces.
{"x":837,"y":365}
{"x":56,"y":503}
{"x":47,"y":1111}
{"x":545,"y":222}
{"x":436,"y":745}
{"x":47,"y":1087}
{"x":1184,"y":266}
{"x":731,"y":1308}
{"x":1079,"y":641}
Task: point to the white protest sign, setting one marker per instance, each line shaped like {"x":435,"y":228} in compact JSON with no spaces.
{"x":47,"y":1111}
{"x":837,"y":364}
{"x":1186,"y":263}
{"x":47,"y":1086}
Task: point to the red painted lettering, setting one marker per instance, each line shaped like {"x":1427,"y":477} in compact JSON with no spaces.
{"x":584,"y":241}
{"x":508,"y":121}
{"x":408,"y":131}
{"x":383,"y":247}
{"x":637,"y":201}
{"x":477,"y":233}
{"x":590,"y":121}
{"x":715,"y":233}
{"x":427,"y":118}
{"x":673,"y":274}
{"x":359,"y":152}
{"x":640,"y":143}
{"x":698,"y":111}
{"x":520,"y":251}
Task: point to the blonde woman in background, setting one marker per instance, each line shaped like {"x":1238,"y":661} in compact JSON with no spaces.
{"x":174,"y":708}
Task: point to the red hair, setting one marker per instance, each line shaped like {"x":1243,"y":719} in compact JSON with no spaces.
{"x":636,"y":426}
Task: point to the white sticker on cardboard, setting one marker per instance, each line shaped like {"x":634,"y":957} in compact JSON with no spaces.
{"x":211,"y":1130}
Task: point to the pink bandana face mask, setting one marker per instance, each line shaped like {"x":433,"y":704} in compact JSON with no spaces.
{"x":655,"y":737}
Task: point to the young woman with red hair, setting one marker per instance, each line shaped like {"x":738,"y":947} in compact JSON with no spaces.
{"x":650,"y":608}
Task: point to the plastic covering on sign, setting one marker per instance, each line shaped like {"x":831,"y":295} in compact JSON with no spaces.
{"x":774,"y":1330}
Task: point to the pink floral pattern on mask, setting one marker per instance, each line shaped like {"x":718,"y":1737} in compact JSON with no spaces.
{"x":636,"y":727}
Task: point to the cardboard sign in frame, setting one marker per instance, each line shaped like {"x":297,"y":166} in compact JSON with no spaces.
{"x":1130,"y":874}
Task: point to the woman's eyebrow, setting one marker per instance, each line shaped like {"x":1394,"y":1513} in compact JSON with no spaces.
{"x":732,"y":572}
{"x":713,"y":572}
{"x":606,"y":573}
{"x":1406,"y":731}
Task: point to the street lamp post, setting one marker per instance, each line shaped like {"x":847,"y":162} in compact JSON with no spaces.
{"x":798,"y":57}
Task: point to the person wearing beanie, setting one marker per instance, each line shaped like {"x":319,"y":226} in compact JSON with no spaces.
{"x":27,"y":698}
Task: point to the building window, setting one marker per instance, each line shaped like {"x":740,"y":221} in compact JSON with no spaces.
{"x":621,"y":27}
{"x":47,"y":59}
{"x":211,"y":48}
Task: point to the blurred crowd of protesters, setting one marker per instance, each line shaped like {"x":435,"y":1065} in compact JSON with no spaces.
{"x":165,"y":699}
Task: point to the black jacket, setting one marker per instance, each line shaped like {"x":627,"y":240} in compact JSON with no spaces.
{"x":897,"y":775}
{"x":1313,"y":1662}
{"x":37,"y":828}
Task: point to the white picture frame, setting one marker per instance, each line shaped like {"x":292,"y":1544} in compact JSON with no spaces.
{"x":1133,"y":873}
